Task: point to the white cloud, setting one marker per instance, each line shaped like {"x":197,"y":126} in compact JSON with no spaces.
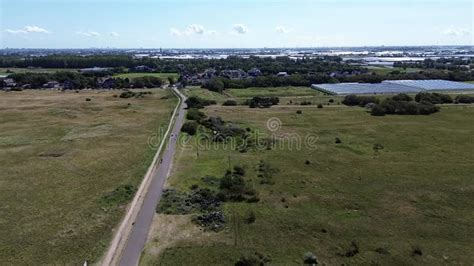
{"x":240,"y":28}
{"x":452,"y":31}
{"x":28,"y":29}
{"x":193,"y":29}
{"x":282,"y":29}
{"x":35,"y":29}
{"x":175,"y":32}
{"x":114,"y":34}
{"x":89,"y":33}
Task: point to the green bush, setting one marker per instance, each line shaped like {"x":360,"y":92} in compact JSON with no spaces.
{"x":355,"y":100}
{"x":262,"y":102}
{"x":196,"y":102}
{"x":464,"y":99}
{"x":190,"y":128}
{"x":230,"y":103}
{"x":434,"y":98}
{"x":195,"y":114}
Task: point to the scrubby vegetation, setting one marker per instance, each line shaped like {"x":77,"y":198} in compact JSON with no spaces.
{"x":390,"y":106}
{"x":190,"y":127}
{"x":198,"y":103}
{"x":434,"y":98}
{"x":356,"y":100}
{"x":230,"y":103}
{"x":118,"y":196}
{"x":222,"y":130}
{"x":464,"y":99}
{"x":262,"y":102}
{"x":206,"y":203}
{"x":132,"y":94}
{"x":195,"y":114}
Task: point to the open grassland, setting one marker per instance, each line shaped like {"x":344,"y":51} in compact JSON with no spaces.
{"x":287,"y":95}
{"x":68,"y":169}
{"x":206,"y":94}
{"x":400,"y":187}
{"x":139,"y":75}
{"x":272,"y":91}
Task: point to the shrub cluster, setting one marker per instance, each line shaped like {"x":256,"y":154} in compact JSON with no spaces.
{"x":130,"y":94}
{"x":434,"y":98}
{"x":121,"y":195}
{"x":197,"y":102}
{"x":213,"y":221}
{"x":398,"y":106}
{"x":230,"y":103}
{"x":234,"y":188}
{"x":464,"y":99}
{"x":265,"y":172}
{"x":195,"y":114}
{"x":200,"y":200}
{"x":356,"y":100}
{"x":190,"y":127}
{"x":262,"y":102}
{"x":222,"y":129}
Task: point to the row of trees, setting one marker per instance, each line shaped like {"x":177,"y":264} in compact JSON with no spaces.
{"x":266,"y":65}
{"x":74,"y":80}
{"x":219,"y":84}
{"x":442,"y":63}
{"x":400,"y":104}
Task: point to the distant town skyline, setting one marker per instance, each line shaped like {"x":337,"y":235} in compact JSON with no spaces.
{"x":234,"y":23}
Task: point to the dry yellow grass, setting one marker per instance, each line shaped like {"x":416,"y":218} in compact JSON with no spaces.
{"x":59,"y":156}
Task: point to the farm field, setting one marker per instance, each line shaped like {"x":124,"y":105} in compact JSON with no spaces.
{"x":69,"y":167}
{"x":138,"y":75}
{"x":402,"y":195}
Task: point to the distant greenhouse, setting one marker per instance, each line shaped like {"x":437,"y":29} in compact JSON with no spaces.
{"x":392,"y":87}
{"x":435,"y":84}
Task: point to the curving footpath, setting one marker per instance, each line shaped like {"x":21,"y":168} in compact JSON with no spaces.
{"x":129,"y":240}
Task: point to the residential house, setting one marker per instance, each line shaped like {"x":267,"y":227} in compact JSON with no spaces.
{"x":254,"y":72}
{"x":143,"y":68}
{"x":106,"y":83}
{"x":9,"y":83}
{"x":234,"y":74}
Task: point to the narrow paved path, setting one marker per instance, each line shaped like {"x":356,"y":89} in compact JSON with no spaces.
{"x":130,"y":255}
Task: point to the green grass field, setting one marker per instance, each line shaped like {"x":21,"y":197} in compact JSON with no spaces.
{"x":138,"y":75}
{"x":287,"y":95}
{"x":62,"y":159}
{"x":416,"y":193}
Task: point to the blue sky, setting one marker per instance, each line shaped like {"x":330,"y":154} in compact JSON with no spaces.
{"x":233,"y":23}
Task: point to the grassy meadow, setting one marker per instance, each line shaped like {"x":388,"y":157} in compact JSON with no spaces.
{"x":399,"y":187}
{"x":287,"y":95}
{"x":69,"y":167}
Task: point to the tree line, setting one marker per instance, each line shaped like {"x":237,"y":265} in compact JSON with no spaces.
{"x":267,"y":66}
{"x":74,"y":80}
